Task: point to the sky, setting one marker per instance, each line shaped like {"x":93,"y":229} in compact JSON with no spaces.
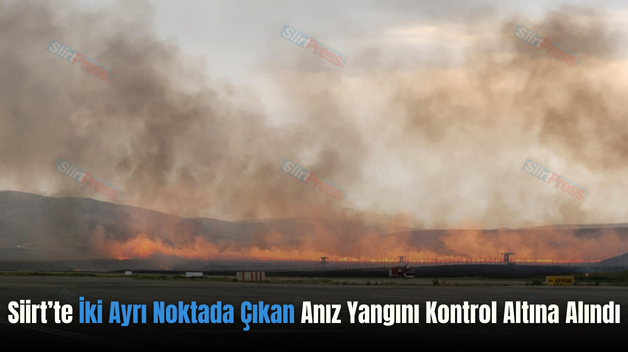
{"x":427,"y":125}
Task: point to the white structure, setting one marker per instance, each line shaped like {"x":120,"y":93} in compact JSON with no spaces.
{"x":250,"y":275}
{"x":128,"y":272}
{"x":193,"y":273}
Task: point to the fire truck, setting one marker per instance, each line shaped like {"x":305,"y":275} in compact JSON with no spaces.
{"x":401,"y":271}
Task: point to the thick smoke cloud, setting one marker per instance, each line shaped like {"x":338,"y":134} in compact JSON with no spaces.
{"x":169,"y":148}
{"x":425,"y":146}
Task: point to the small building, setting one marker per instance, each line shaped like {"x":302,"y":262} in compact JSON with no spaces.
{"x":193,"y":274}
{"x":251,"y":275}
{"x":507,"y":258}
{"x":128,"y":272}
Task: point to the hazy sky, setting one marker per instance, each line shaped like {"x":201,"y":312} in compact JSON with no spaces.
{"x":429,"y":123}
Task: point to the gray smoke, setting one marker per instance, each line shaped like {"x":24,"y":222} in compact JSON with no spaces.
{"x":419,"y":145}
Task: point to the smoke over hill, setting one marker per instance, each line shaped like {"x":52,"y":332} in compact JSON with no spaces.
{"x":440,"y":154}
{"x":34,"y":227}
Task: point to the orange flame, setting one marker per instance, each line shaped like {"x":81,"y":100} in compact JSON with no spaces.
{"x":462,"y":246}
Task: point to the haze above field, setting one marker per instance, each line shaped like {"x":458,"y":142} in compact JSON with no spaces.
{"x":34,"y":227}
{"x":427,"y":127}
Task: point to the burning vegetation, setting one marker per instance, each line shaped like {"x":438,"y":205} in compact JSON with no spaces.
{"x":197,"y":149}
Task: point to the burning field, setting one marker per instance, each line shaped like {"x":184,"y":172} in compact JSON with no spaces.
{"x":433,"y":169}
{"x":333,"y":155}
{"x":38,"y":228}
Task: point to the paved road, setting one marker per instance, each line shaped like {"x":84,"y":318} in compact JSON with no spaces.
{"x":159,"y":336}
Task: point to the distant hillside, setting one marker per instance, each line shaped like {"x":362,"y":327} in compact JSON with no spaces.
{"x":34,"y":227}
